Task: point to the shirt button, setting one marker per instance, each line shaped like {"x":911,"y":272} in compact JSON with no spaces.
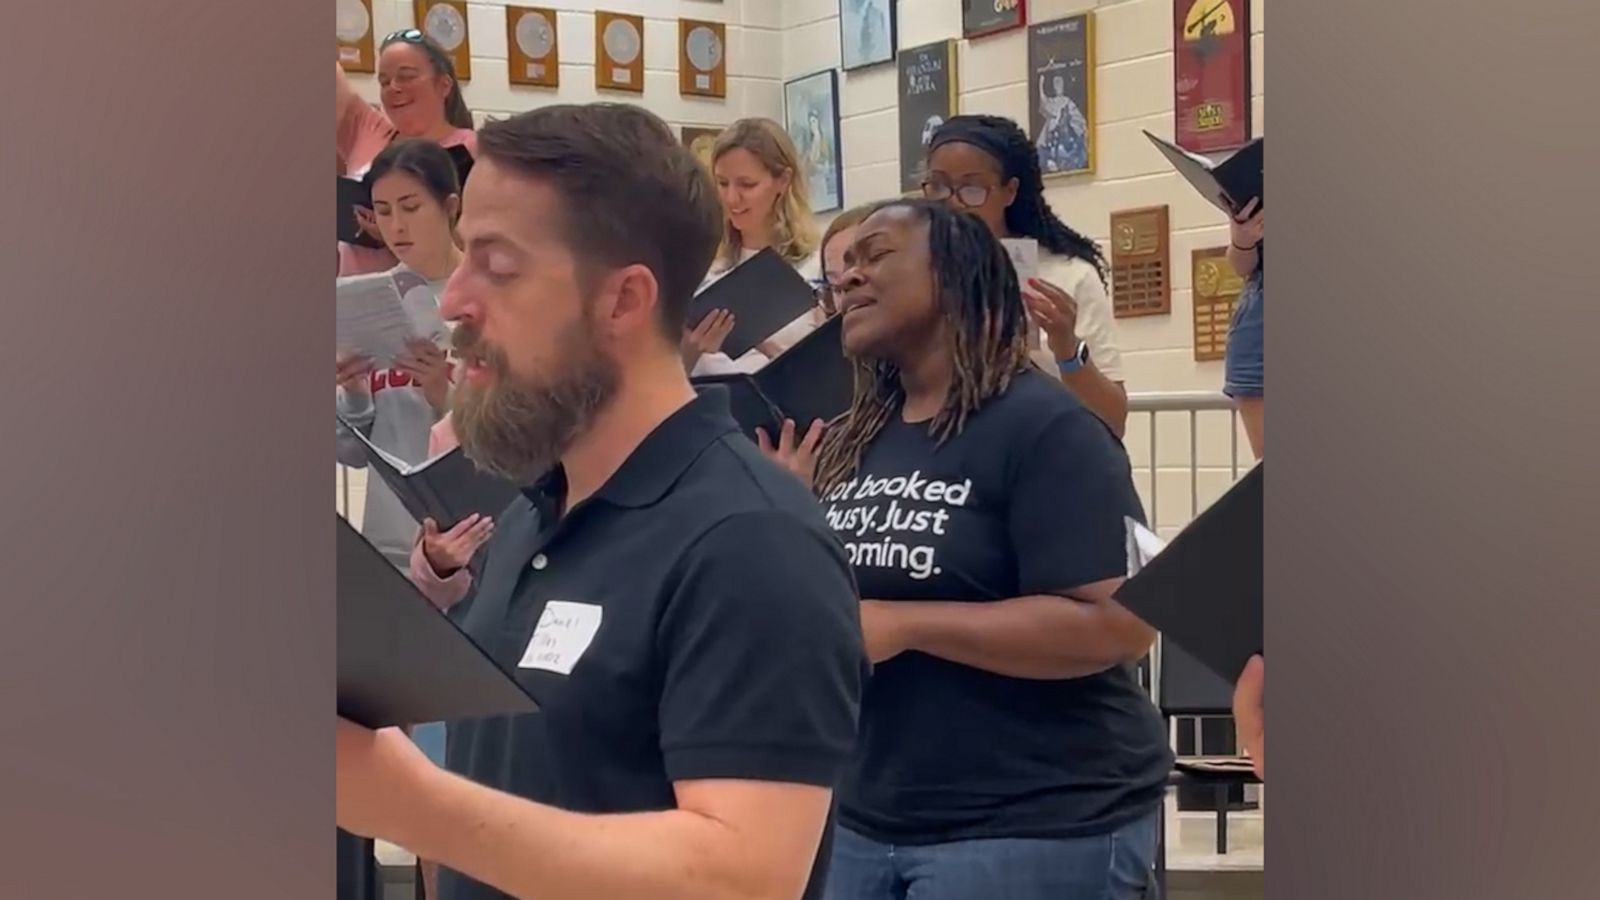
{"x":540,"y":561}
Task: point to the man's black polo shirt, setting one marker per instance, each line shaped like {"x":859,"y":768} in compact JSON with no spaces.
{"x":694,"y":619}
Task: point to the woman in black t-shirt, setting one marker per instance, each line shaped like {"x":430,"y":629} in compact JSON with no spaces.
{"x":1006,"y":748}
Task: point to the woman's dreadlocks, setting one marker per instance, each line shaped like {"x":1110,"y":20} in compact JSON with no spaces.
{"x":976,"y":291}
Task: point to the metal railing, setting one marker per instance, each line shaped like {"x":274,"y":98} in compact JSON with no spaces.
{"x":1192,"y":403}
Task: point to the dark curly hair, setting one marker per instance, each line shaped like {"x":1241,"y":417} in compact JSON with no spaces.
{"x":1030,"y":214}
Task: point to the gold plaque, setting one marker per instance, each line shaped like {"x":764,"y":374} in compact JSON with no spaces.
{"x":701,"y":141}
{"x":702,"y":58}
{"x":1216,"y":294}
{"x":1141,"y":282}
{"x":445,"y":23}
{"x":619,"y":52}
{"x":533,"y":52}
{"x":353,"y":25}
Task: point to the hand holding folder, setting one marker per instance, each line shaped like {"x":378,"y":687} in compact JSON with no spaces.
{"x":810,"y":381}
{"x":446,"y":488}
{"x":1203,"y":591}
{"x":1231,"y":184}
{"x":764,"y":293}
{"x":402,"y":661}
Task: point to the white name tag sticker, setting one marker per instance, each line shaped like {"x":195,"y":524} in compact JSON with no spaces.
{"x":563,"y":635}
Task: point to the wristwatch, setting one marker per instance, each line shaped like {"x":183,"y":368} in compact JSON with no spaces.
{"x":1078,"y":360}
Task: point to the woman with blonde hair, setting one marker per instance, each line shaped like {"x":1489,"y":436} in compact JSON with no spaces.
{"x":765,"y":204}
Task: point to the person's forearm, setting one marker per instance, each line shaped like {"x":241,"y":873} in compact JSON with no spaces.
{"x":1243,"y":261}
{"x":526,"y":849}
{"x":1104,"y":397}
{"x":1039,"y":637}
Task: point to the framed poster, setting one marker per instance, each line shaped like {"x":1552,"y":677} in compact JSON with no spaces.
{"x":702,"y":58}
{"x":619,"y":52}
{"x":811,"y":115}
{"x":533,"y":50}
{"x":1211,"y":68}
{"x":445,"y":23}
{"x":1216,"y":293}
{"x":1061,"y":94}
{"x":700,"y":141}
{"x":867,"y":32}
{"x":929,"y":94}
{"x":985,"y":17}
{"x":353,"y":26}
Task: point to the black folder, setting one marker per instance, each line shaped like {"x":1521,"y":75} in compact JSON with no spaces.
{"x":1230,"y":184}
{"x":1203,"y":591}
{"x":446,"y":488}
{"x":354,"y":192}
{"x":764,"y":293}
{"x":401,"y":660}
{"x":811,"y":380}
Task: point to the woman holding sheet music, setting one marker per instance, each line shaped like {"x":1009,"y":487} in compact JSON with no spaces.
{"x":986,"y":165}
{"x":765,"y":203}
{"x":421,"y":99}
{"x":1006,"y":748}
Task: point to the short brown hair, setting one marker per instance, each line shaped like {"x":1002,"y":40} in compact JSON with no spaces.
{"x":632,"y":193}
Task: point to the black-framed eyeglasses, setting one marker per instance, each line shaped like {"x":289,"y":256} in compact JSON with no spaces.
{"x":968,"y":195}
{"x":825,"y":293}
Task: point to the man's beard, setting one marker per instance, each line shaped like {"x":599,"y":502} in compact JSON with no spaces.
{"x":519,"y":428}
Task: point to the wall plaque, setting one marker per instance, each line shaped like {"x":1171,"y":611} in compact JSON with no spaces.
{"x":702,"y":58}
{"x":533,"y":53}
{"x":980,"y":18}
{"x":353,"y":26}
{"x":1141,"y":252}
{"x":1216,"y":293}
{"x":619,"y":52}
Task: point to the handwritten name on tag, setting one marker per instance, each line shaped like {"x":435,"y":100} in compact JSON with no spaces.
{"x":563,"y":635}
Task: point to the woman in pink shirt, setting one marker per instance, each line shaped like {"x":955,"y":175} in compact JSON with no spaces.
{"x":421,"y":99}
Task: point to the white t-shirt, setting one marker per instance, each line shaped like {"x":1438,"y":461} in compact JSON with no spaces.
{"x":720,"y":364}
{"x":1096,"y":326}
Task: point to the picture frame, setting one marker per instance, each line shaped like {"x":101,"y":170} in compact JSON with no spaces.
{"x":868,"y":33}
{"x":1211,"y":106}
{"x":930,"y":94}
{"x":353,"y":29}
{"x":702,"y":58}
{"x":811,"y":116}
{"x":445,"y":23}
{"x":1061,"y":94}
{"x":982,"y":18}
{"x":700,"y":140}
{"x":619,"y":52}
{"x":533,"y":46}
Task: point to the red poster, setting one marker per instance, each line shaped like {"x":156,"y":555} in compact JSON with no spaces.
{"x":1212,"y":84}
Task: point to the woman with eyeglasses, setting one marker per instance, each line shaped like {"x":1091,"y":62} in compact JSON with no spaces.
{"x":421,"y":99}
{"x":1006,"y":748}
{"x":985,"y":165}
{"x":765,"y":204}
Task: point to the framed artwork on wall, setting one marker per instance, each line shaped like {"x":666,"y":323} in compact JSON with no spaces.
{"x":353,"y":26}
{"x":1061,"y":94}
{"x":930,"y":92}
{"x":445,"y":23}
{"x":1211,"y":70}
{"x":533,"y":48}
{"x":702,"y":58}
{"x":867,"y":32}
{"x":811,"y":116}
{"x":981,"y":18}
{"x":619,"y":52}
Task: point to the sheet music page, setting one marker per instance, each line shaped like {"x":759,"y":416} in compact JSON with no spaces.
{"x":372,"y":319}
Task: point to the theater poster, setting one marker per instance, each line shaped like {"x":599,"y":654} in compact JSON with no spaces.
{"x":980,"y":18}
{"x":1212,"y":74}
{"x":1061,"y":94}
{"x":929,"y":94}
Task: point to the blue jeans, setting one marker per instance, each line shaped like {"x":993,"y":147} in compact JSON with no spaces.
{"x":430,"y":738}
{"x":1115,"y":866}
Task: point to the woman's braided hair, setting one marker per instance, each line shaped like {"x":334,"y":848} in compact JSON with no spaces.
{"x":1030,"y":214}
{"x":976,"y":291}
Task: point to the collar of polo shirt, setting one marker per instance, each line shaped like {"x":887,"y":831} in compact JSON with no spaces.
{"x":659,"y":460}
